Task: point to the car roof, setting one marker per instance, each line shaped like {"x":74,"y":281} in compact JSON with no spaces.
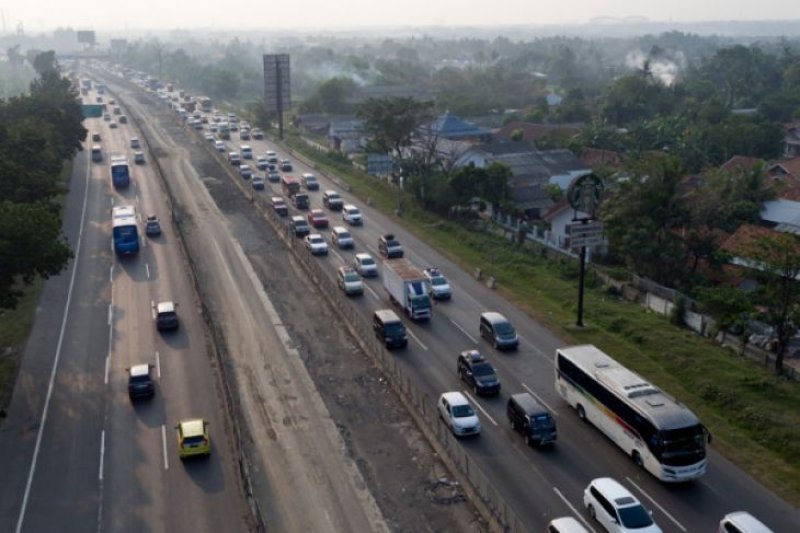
{"x":568,"y":524}
{"x":348,"y":207}
{"x":340,"y":229}
{"x":298,"y":218}
{"x":330,"y":192}
{"x":455,"y":398}
{"x":140,"y":370}
{"x":528,"y":403}
{"x":192,"y":428}
{"x":347,"y":270}
{"x":747,"y":522}
{"x":165,"y":307}
{"x":613,"y":490}
{"x":314,"y":236}
{"x":387,"y":315}
{"x":494,"y":317}
{"x":363,"y":255}
{"x":473,"y":356}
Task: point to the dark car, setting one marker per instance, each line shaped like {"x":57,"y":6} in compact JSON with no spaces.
{"x":140,"y":382}
{"x":389,"y":247}
{"x":166,"y":316}
{"x":152,"y":226}
{"x":496,"y":329}
{"x":332,"y":200}
{"x":286,"y":165}
{"x":299,"y":226}
{"x":389,"y":328}
{"x":301,"y":200}
{"x":478,"y":373}
{"x":527,"y":416}
{"x":279,"y":205}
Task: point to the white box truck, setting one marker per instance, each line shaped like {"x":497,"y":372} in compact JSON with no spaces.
{"x":408,"y":287}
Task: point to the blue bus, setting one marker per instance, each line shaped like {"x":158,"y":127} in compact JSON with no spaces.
{"x":120,"y":172}
{"x":125,"y":230}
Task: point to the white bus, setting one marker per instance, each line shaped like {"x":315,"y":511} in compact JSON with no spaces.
{"x":659,"y":433}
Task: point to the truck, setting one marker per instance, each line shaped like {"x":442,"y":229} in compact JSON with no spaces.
{"x":407,"y":287}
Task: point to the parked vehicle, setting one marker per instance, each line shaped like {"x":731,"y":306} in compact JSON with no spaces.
{"x":407,"y":287}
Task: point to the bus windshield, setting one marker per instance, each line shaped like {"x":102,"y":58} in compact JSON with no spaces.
{"x":681,"y":447}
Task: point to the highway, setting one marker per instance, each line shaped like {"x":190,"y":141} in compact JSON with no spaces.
{"x":539,"y":485}
{"x":78,"y":454}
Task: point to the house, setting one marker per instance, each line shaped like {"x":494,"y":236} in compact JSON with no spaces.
{"x":317,"y":123}
{"x":532,"y":172}
{"x":532,"y":132}
{"x":346,"y":136}
{"x":743,"y":245}
{"x":741,"y":162}
{"x":791,"y":140}
{"x":482,"y":155}
{"x":559,"y":216}
{"x":451,"y":127}
{"x":597,"y":157}
{"x":783,"y":213}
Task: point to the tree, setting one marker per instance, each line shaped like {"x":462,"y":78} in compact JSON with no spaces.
{"x":39,"y":250}
{"x":730,"y":308}
{"x":331,"y":96}
{"x":778,"y":256}
{"x":643,"y":217}
{"x":393,"y":122}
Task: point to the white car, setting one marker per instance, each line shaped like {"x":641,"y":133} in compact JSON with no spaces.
{"x":316,"y":244}
{"x":457,"y":413}
{"x":743,"y":522}
{"x":220,"y":146}
{"x":352,"y":215}
{"x":365,"y":265}
{"x":616,"y":509}
{"x":440,"y":288}
{"x":349,"y":281}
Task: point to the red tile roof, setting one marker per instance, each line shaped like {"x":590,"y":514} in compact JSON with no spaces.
{"x":741,"y":162}
{"x":592,"y":157}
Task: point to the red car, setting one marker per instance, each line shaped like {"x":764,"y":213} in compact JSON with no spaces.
{"x":317,"y":218}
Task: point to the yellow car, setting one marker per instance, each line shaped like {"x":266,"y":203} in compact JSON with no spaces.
{"x":193,"y":438}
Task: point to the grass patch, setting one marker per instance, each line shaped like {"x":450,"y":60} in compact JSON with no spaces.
{"x":753,"y":415}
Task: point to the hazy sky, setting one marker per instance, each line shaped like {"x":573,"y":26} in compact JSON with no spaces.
{"x":102,"y":15}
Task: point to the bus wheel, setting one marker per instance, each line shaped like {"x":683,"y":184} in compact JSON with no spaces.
{"x":637,"y":459}
{"x":581,"y":412}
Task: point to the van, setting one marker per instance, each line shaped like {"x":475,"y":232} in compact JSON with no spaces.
{"x":527,"y":416}
{"x":299,"y":226}
{"x":389,"y":328}
{"x":247,"y":151}
{"x":616,"y":509}
{"x":309,"y":181}
{"x":342,"y":238}
{"x":301,"y":201}
{"x":742,"y":522}
{"x":498,"y":331}
{"x":566,"y":525}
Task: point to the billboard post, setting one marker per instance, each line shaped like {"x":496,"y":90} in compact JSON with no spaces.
{"x":277,"y":86}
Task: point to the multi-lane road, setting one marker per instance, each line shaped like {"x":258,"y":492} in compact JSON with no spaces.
{"x":539,"y":485}
{"x":79,"y":456}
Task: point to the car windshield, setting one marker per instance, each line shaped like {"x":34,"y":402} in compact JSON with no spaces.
{"x":190,"y":441}
{"x":144,"y":378}
{"x":351,"y":277}
{"x":394,"y":329}
{"x":344,"y":235}
{"x":437,"y":281}
{"x":635,"y":517}
{"x":482,"y":369}
{"x":392,"y":243}
{"x":367,"y":261}
{"x":316,"y":240}
{"x":504,"y":329}
{"x":462,"y":411}
{"x":542,"y":421}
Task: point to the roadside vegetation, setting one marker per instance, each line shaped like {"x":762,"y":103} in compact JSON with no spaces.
{"x":40,"y":133}
{"x":753,"y":415}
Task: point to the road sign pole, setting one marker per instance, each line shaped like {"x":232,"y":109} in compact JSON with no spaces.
{"x":579,"y":323}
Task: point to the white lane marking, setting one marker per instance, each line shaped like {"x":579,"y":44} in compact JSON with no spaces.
{"x":108,"y":363}
{"x":111,"y":274}
{"x":147,"y":268}
{"x":417,"y":339}
{"x":158,"y":365}
{"x":536,"y":349}
{"x":578,"y":515}
{"x":334,"y":252}
{"x":153,"y":309}
{"x":478,"y":405}
{"x":464,"y":331}
{"x":110,"y":314}
{"x":654,"y":502}
{"x":164,"y":445}
{"x":102,"y":453}
{"x":540,"y":399}
{"x":372,"y":292}
{"x":57,"y":357}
